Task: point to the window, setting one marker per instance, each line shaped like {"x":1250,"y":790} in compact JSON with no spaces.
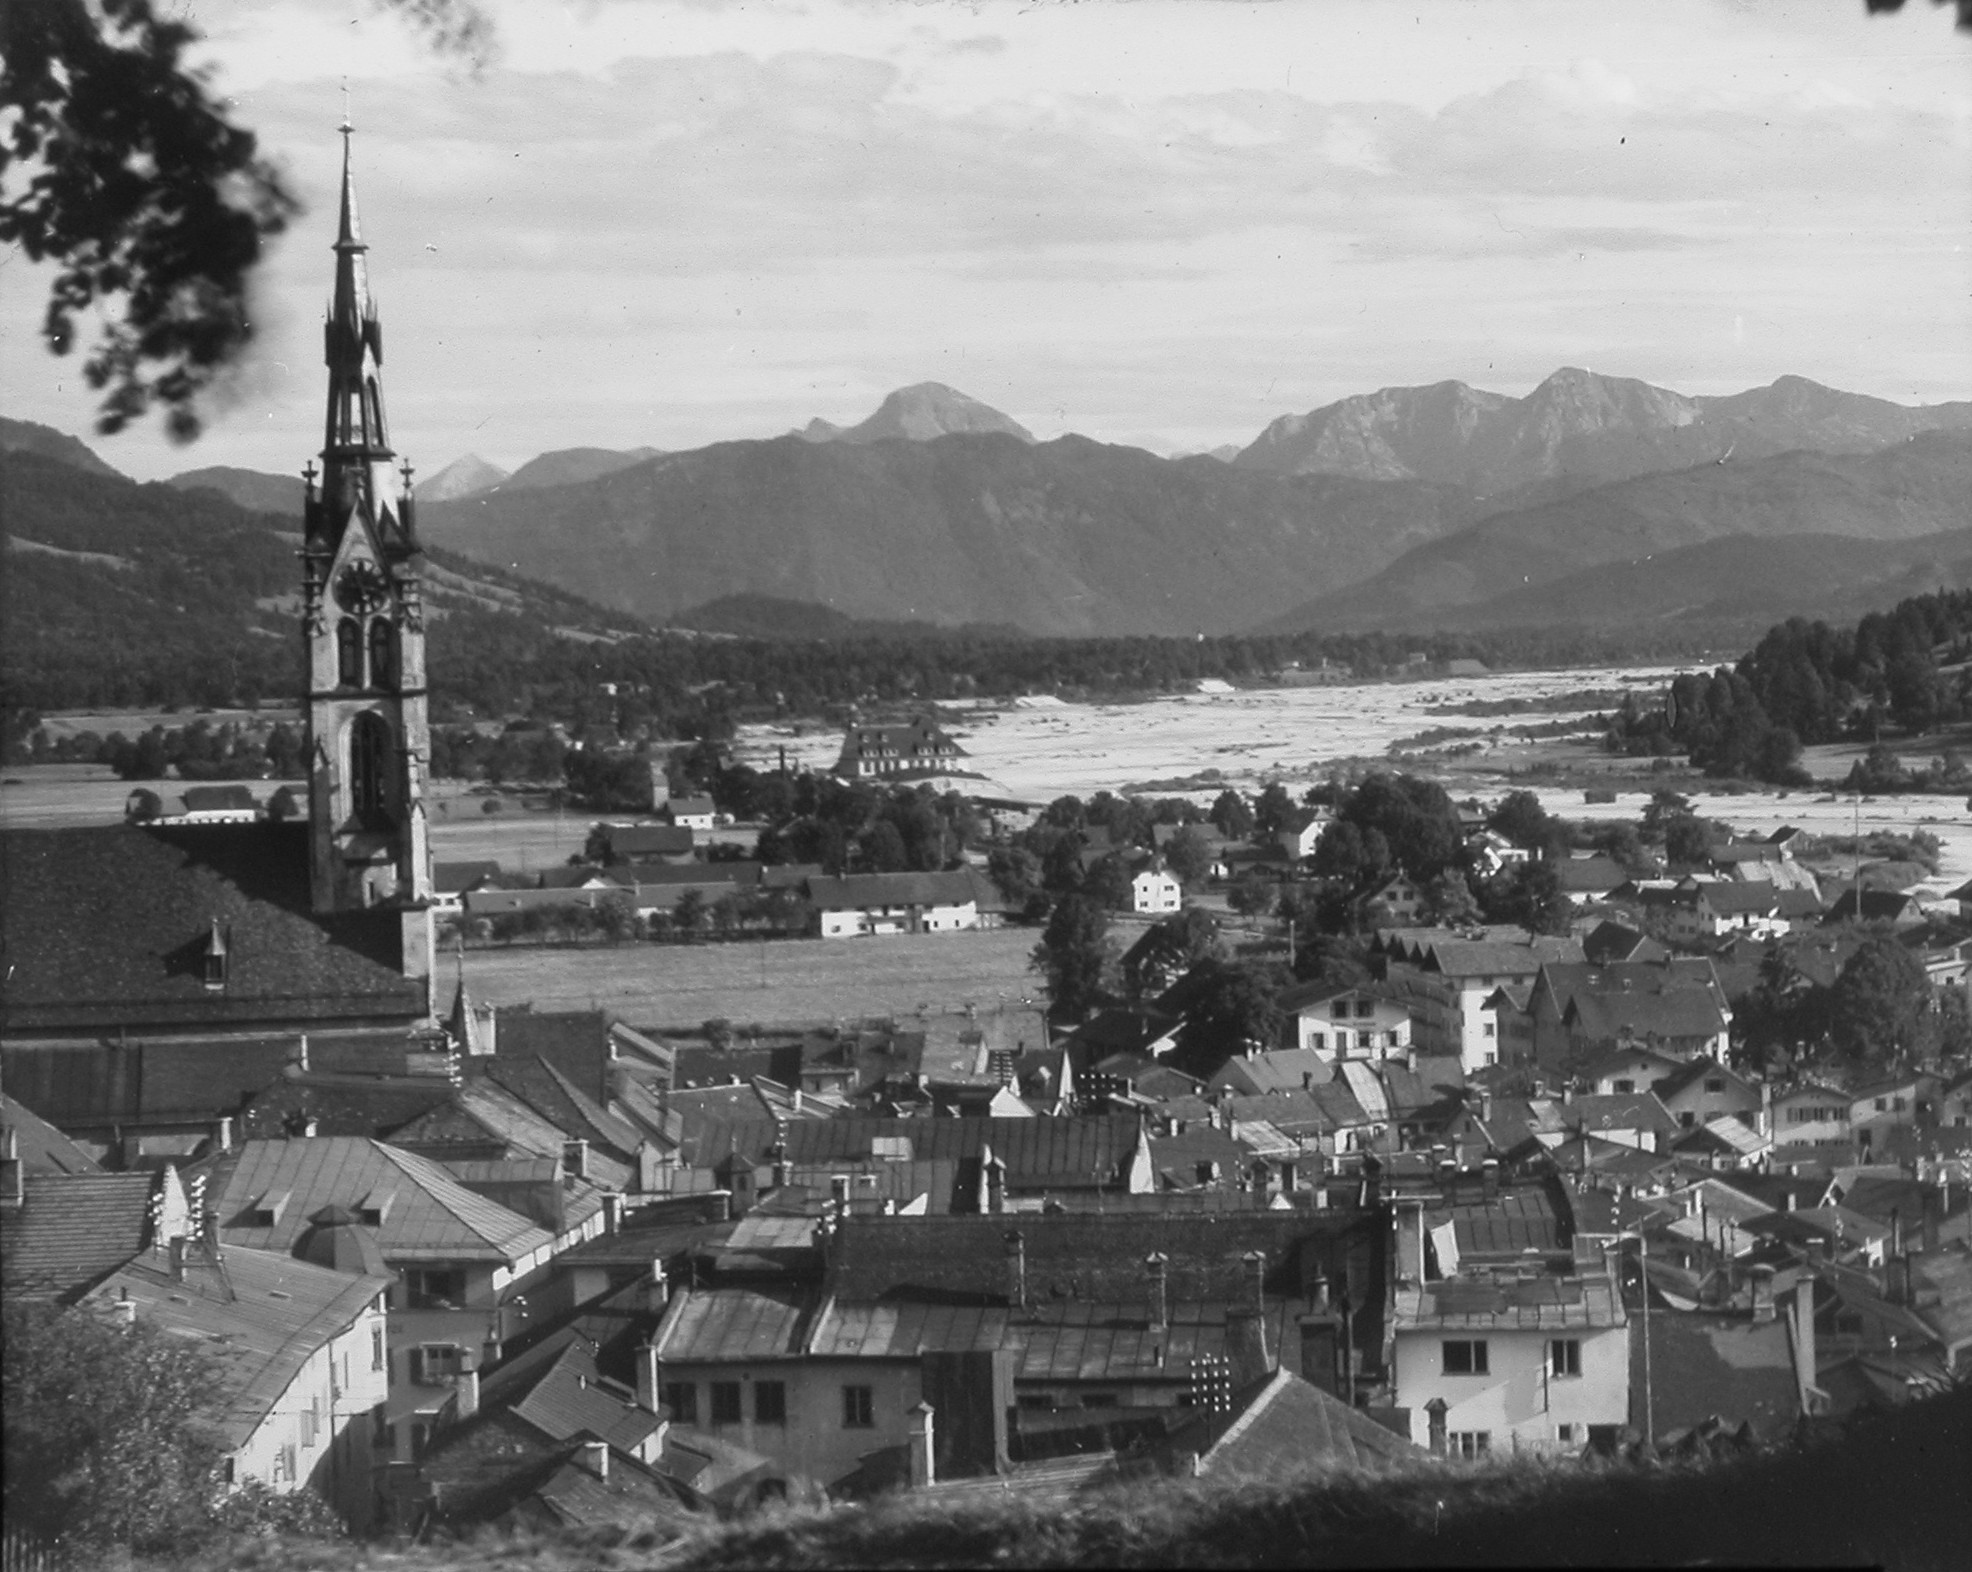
{"x":434,"y":1363}
{"x":1466,"y":1357}
{"x":770,"y":1402}
{"x":858,"y":1408}
{"x":378,"y":1359}
{"x":1626,"y":1086}
{"x":429,"y":1290}
{"x":1365,"y":1007}
{"x":1490,"y":1029}
{"x":369,"y":770}
{"x":1687,"y":1118}
{"x":285,"y":1472}
{"x":1565,"y":1357}
{"x":1715,"y":1083}
{"x":1470,"y":1443}
{"x":681,"y":1398}
{"x":383,"y":650}
{"x":725,"y":1402}
{"x":349,"y":653}
{"x":1340,"y":1009}
{"x":1564,"y":1432}
{"x":1099,"y":1400}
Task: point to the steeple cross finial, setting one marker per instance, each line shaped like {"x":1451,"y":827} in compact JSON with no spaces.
{"x":346,"y":127}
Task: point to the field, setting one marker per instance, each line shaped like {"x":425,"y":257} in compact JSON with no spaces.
{"x":783,"y":982}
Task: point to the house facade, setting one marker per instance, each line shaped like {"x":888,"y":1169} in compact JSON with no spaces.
{"x":890,"y":903}
{"x":1489,"y":1364}
{"x":298,"y":1353}
{"x":1444,"y":978}
{"x":1351,"y":1023}
{"x":916,"y":747}
{"x":1156,"y":892}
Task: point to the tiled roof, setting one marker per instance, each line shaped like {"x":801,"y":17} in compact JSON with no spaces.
{"x":38,"y":1146}
{"x":1619,"y":1111}
{"x":553,"y":1097}
{"x":1503,"y":951}
{"x":575,"y":1042}
{"x":1064,"y":1153}
{"x":107,"y":926}
{"x":1705,"y":1365}
{"x":430,"y":1216}
{"x":450,"y":877}
{"x":1273,"y":1071}
{"x":341,"y":1104}
{"x":1088,"y":1257}
{"x":259,"y":1316}
{"x":1291,"y":1426}
{"x":856,"y":891}
{"x":70,"y":1229}
{"x":569,"y":1400}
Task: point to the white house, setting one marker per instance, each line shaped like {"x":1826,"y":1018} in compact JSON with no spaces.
{"x":879,"y":903}
{"x":1809,"y":1115}
{"x":298,"y":1356}
{"x":1492,"y":1362}
{"x":690,"y":813}
{"x":1347,"y":1023}
{"x":1155,"y":892}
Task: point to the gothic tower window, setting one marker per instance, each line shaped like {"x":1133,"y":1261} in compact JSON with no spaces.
{"x":383,"y":648}
{"x":349,"y":653}
{"x":369,"y":771}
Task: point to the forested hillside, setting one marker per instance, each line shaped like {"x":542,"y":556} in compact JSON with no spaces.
{"x":1901,"y":672}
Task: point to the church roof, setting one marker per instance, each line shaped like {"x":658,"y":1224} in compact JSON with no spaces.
{"x":108,"y":926}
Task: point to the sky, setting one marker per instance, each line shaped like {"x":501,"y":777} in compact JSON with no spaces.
{"x":667,"y":223}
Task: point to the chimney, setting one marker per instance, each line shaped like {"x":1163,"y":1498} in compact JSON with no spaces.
{"x":222,"y":1134}
{"x":1016,"y":1269}
{"x":1762,"y":1289}
{"x":310,"y":1128}
{"x":123,"y":1313}
{"x":612,"y":1211}
{"x":209,"y":1235}
{"x":1256,"y":1279}
{"x":1157,"y":1264}
{"x":1896,"y":1231}
{"x":924,"y":1469}
{"x":302,"y":1057}
{"x":465,"y":1389}
{"x":178,"y":1258}
{"x":1485,"y":1105}
{"x":648,"y":1385}
{"x":1318,"y":1291}
{"x":575,"y":1157}
{"x":1490,"y":1177}
{"x":595,"y":1458}
{"x":659,"y":1293}
{"x":1435,"y":1417}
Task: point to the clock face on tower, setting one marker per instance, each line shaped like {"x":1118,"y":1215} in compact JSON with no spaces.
{"x":362,"y":588}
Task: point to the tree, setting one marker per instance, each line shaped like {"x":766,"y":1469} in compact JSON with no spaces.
{"x":1875,"y":1009}
{"x":1449,"y":901}
{"x":1169,"y":948}
{"x":1251,"y":893}
{"x":284,"y":804}
{"x":1188,"y":855}
{"x":142,"y":806}
{"x":1229,"y":1008}
{"x":1273,"y":809}
{"x":1075,"y":956}
{"x":688,"y":915}
{"x":127,"y":174}
{"x":107,"y":1438}
{"x":1522,"y":820}
{"x":1686,"y":840}
{"x":1017,"y":873}
{"x":1232,"y":815}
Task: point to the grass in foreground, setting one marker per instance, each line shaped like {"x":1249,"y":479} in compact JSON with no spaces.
{"x":1895,"y":1490}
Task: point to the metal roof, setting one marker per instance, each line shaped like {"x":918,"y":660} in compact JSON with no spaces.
{"x":260,"y":1316}
{"x":430,"y":1216}
{"x":1506,"y":1304}
{"x":711,"y":1324}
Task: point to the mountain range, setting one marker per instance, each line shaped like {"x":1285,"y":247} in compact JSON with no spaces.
{"x":1593,"y":500}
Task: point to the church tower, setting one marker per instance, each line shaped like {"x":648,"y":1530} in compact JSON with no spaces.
{"x":369,"y":737}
